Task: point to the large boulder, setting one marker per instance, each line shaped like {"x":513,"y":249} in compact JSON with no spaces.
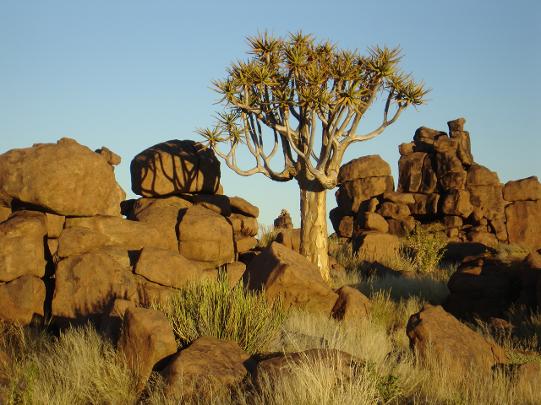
{"x":205,"y":236}
{"x":363,"y":167}
{"x":290,"y":238}
{"x":522,"y":190}
{"x":146,"y":338}
{"x":22,"y":245}
{"x":65,"y":178}
{"x":351,"y":305}
{"x":281,"y":272}
{"x":351,"y":194}
{"x":207,"y":364}
{"x":373,"y":246}
{"x":82,"y":235}
{"x":416,"y":174}
{"x":524,"y":223}
{"x":434,"y":333}
{"x":162,"y":214}
{"x":169,"y":268}
{"x":87,"y":284}
{"x":457,"y":202}
{"x":21,"y":298}
{"x":241,"y":206}
{"x":175,"y":167}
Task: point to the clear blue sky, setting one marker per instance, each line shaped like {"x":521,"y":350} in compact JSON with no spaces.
{"x":130,"y":74}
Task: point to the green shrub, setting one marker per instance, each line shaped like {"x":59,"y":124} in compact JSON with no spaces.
{"x":215,"y":309}
{"x":424,"y":248}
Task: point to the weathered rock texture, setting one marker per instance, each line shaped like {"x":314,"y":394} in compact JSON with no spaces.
{"x":67,"y":253}
{"x":436,"y":336}
{"x":439,"y":182}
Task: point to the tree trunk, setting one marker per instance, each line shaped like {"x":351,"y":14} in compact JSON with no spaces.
{"x":314,"y":238}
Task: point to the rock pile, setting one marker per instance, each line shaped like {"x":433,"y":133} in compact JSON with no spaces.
{"x":439,"y":182}
{"x":68,"y":252}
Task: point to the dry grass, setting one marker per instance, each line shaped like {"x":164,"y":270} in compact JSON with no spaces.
{"x":215,"y":309}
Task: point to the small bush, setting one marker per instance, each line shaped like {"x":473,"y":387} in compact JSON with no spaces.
{"x":424,"y":249}
{"x":215,"y":309}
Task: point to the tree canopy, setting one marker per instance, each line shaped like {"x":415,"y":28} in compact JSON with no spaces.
{"x":303,"y":89}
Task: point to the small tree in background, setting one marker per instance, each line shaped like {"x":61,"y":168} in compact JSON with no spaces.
{"x":304,"y":100}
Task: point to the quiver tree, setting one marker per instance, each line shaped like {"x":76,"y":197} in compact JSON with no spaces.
{"x":297,"y":103}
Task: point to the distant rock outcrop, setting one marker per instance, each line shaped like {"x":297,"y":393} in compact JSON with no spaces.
{"x":439,"y":182}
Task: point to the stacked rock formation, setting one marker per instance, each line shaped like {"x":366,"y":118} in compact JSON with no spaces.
{"x":68,"y":252}
{"x":439,"y":182}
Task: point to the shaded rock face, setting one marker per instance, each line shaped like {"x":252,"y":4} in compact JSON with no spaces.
{"x":439,"y":182}
{"x":281,"y":272}
{"x":22,"y":298}
{"x":146,"y":338}
{"x":283,"y":221}
{"x":175,"y":167}
{"x":208,"y":363}
{"x":351,"y":305}
{"x":64,"y":178}
{"x":435,"y":334}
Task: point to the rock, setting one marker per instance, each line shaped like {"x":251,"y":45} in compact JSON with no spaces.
{"x":241,"y":206}
{"x":453,"y":221}
{"x":168,"y":268}
{"x":394,"y":210}
{"x":55,"y":225}
{"x":21,"y":298}
{"x":488,"y":200}
{"x":363,"y":167}
{"x":484,"y":238}
{"x":406,"y":148}
{"x":528,"y":374}
{"x":146,"y":338}
{"x":464,"y":147}
{"x":401,"y":227}
{"x":290,"y":238}
{"x":64,"y":178}
{"x":175,"y":167}
{"x":457,"y":202}
{"x":445,"y":144}
{"x":111,"y":321}
{"x":416,"y":173}
{"x":208,"y":363}
{"x":424,"y":138}
{"x":205,"y":236}
{"x":5,"y":212}
{"x":22,"y":245}
{"x":482,"y":287}
{"x":283,"y":366}
{"x":425,"y":204}
{"x":283,"y":221}
{"x":351,"y":305}
{"x":281,"y":272}
{"x":245,"y":244}
{"x":234,"y":272}
{"x":246,"y":226}
{"x":149,"y":293}
{"x":456,"y":125}
{"x":82,"y":235}
{"x":110,"y":157}
{"x":87,"y":284}
{"x":451,"y":175}
{"x":351,"y":194}
{"x":481,"y":176}
{"x":434,"y":332}
{"x":218,"y":203}
{"x":376,"y":246}
{"x":524,"y":224}
{"x":522,"y":190}
{"x":341,"y":222}
{"x":399,"y":198}
{"x":52,"y":246}
{"x":162,"y":214}
{"x":373,"y":222}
